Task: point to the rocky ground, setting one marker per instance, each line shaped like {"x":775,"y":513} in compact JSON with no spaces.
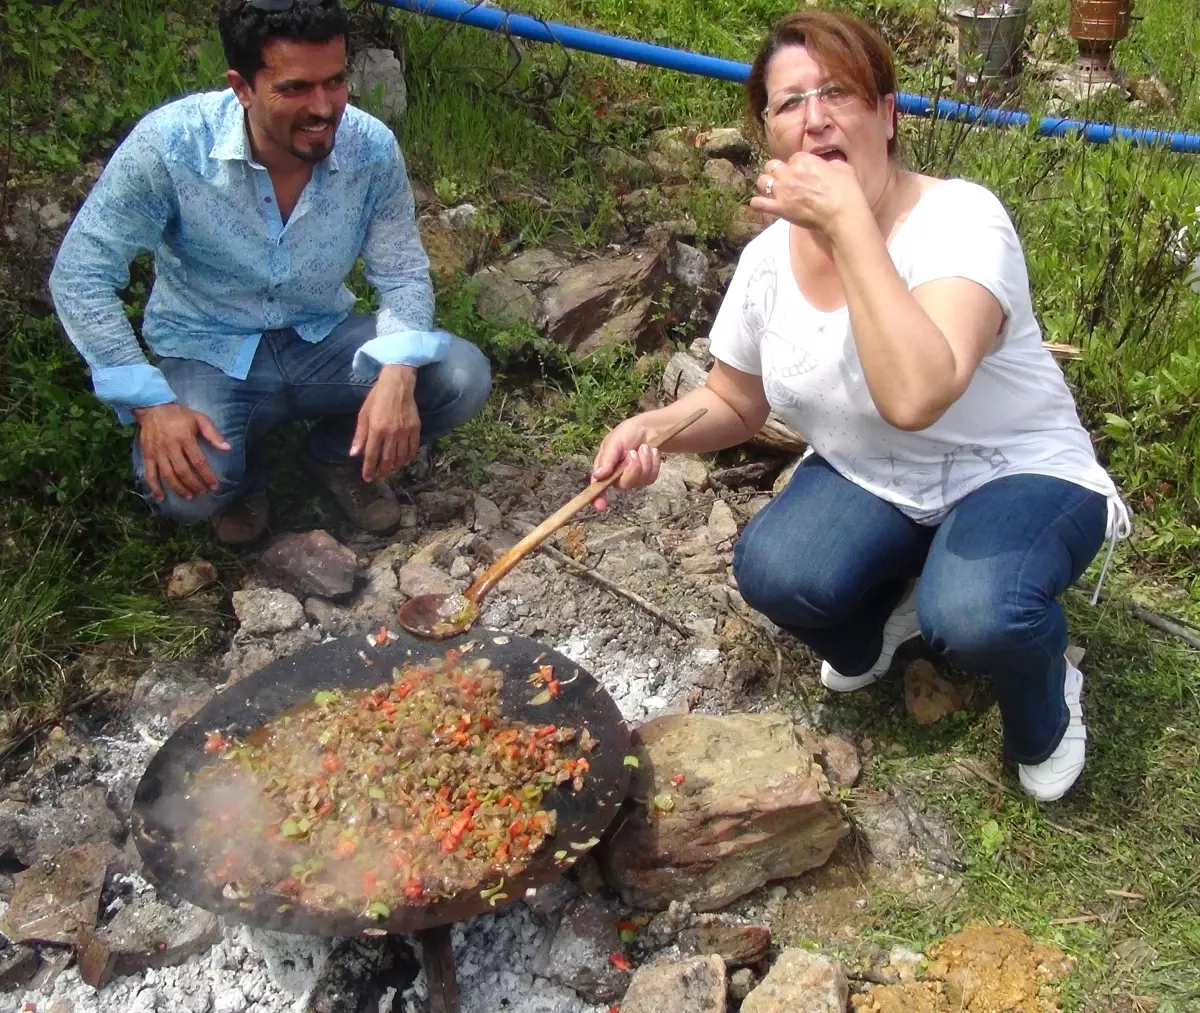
{"x":699,"y":681}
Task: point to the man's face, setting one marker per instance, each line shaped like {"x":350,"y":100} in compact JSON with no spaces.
{"x":297,"y":99}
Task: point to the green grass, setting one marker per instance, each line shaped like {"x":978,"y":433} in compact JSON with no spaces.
{"x":1132,"y":824}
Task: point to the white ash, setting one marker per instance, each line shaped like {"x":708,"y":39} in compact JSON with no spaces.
{"x":230,"y":978}
{"x":494,"y":956}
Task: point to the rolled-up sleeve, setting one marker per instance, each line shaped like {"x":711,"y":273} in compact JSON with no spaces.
{"x":124,"y":216}
{"x":398,"y":268}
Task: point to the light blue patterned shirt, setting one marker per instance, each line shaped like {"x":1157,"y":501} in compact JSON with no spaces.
{"x":185,"y":186}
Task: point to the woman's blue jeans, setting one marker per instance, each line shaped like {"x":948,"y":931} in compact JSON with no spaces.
{"x":828,"y":562}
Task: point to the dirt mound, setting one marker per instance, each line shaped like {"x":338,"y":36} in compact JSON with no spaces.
{"x":982,"y":969}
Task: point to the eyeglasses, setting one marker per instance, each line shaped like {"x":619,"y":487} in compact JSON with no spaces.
{"x":831,"y":95}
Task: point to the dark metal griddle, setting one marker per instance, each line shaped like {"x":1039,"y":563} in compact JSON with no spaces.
{"x":163,"y":809}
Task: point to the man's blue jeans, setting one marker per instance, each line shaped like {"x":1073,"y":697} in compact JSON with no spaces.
{"x":828,"y":561}
{"x":294,"y":379}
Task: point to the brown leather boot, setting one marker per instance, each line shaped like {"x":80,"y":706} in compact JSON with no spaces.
{"x":244,"y":522}
{"x":371,"y":506}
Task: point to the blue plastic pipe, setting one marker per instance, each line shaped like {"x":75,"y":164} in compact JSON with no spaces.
{"x":521,"y":25}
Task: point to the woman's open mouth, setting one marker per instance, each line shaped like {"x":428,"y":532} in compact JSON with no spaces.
{"x":830,"y":154}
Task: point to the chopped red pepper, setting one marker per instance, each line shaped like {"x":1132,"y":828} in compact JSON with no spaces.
{"x":627,"y":926}
{"x":413,"y":889}
{"x":542,"y":733}
{"x":620,"y":961}
{"x":332,"y":762}
{"x":370,"y":882}
{"x":344,"y":848}
{"x":214,"y":743}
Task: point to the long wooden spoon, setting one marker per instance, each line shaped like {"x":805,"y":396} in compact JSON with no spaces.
{"x":438,"y":616}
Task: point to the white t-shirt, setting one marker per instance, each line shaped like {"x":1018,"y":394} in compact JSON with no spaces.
{"x":1016,"y":417}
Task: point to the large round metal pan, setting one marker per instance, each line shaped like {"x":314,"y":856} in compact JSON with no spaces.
{"x":163,"y":808}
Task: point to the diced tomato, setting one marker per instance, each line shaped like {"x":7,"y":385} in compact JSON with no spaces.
{"x":405,"y":688}
{"x":461,"y":738}
{"x":517,"y":827}
{"x":324,"y":808}
{"x":542,"y":733}
{"x":413,"y":889}
{"x":553,"y":687}
{"x":450,"y":843}
{"x":344,"y":848}
{"x":370,"y":881}
{"x":444,"y":792}
{"x":331,"y":762}
{"x":524,"y":841}
{"x":485,"y":723}
{"x":387,"y":706}
{"x":511,"y":801}
{"x":213,"y":743}
{"x":453,"y":657}
{"x":501,"y":854}
{"x":620,"y":961}
{"x":514,"y":752}
{"x":372,"y":700}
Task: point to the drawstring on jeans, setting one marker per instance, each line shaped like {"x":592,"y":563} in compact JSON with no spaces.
{"x":1119,"y":528}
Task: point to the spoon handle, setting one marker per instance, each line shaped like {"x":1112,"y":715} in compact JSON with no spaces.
{"x":500,"y":569}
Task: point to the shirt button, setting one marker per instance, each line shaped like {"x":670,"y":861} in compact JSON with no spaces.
{"x":266,"y":200}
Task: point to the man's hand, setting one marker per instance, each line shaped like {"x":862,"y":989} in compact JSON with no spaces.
{"x":171,"y":452}
{"x":389,"y":428}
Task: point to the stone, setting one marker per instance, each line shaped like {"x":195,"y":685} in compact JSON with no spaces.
{"x":929,"y":697}
{"x":440,"y":506}
{"x":550,"y":899}
{"x":737,"y":945}
{"x":487,"y":515}
{"x":695,"y":471}
{"x":691,"y":266}
{"x":740,"y":984}
{"x":79,"y":816}
{"x":460,"y":569}
{"x":52,"y":217}
{"x":578,"y":954}
{"x":312,"y":563}
{"x":667,"y":168}
{"x":169,"y":690}
{"x":539,"y":266}
{"x":420,"y":578}
{"x":1149,"y":90}
{"x":439,"y":546}
{"x":59,"y":897}
{"x":668,"y":495}
{"x":839,"y":759}
{"x":722,"y":526}
{"x":377,"y":81}
{"x":499,"y":296}
{"x":188,"y":578}
{"x":800,"y":982}
{"x":695,"y":985}
{"x":450,"y":251}
{"x":746,"y":225}
{"x":461,"y":217}
{"x":265,"y":611}
{"x":725,"y":143}
{"x":753,"y":807}
{"x":724,"y":175}
{"x":143,"y":934}
{"x":18,"y":964}
{"x":601,"y":538}
{"x":701,"y":564}
{"x":621,"y":167}
{"x":628,"y":329}
{"x":597,"y":292}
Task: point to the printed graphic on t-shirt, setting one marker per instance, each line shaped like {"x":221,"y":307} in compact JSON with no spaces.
{"x":967,"y":466}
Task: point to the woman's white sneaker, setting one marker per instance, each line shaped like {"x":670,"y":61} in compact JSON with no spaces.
{"x":901,"y":626}
{"x":1049,"y":780}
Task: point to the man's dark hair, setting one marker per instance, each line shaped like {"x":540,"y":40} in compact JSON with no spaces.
{"x":246,"y":29}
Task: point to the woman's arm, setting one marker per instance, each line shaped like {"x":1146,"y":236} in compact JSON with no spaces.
{"x":919,"y":348}
{"x":737,"y":409}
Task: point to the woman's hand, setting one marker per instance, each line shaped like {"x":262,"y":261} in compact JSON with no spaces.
{"x":808,"y":191}
{"x":627,"y":443}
